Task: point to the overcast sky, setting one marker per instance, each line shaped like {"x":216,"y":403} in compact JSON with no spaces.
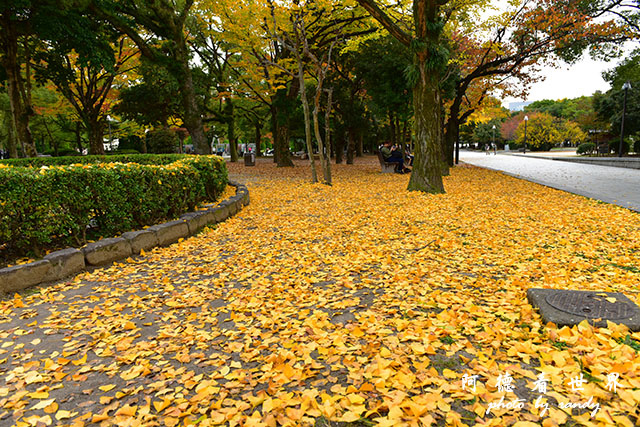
{"x":582,"y":78}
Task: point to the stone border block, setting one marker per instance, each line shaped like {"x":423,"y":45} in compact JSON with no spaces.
{"x":141,"y":240}
{"x":196,"y":221}
{"x":221,"y":213}
{"x":170,"y":232}
{"x":64,"y":263}
{"x":22,"y":276}
{"x":233,"y":207}
{"x":106,"y":251}
{"x":243,"y":196}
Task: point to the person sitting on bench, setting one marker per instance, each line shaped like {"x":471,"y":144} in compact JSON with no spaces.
{"x":392,"y":154}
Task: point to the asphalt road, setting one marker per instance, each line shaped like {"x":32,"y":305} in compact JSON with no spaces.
{"x":618,"y":186}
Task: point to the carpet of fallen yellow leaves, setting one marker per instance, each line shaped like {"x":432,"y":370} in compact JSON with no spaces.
{"x":356,"y":304}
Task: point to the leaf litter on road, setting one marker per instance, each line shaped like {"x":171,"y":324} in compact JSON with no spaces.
{"x":357,"y":303}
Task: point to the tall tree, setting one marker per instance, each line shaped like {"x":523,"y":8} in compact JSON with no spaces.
{"x":14,"y":31}
{"x":87,"y":86}
{"x":47,"y":21}
{"x":242,"y":27}
{"x":429,"y":59}
{"x":530,"y":33}
{"x":166,"y":21}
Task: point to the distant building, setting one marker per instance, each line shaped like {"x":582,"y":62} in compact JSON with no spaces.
{"x":518,"y":106}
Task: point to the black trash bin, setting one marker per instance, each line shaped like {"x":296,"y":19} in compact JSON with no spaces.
{"x":249,"y":159}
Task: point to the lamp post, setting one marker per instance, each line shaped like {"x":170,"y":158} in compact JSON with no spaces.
{"x":526,"y":119}
{"x":626,"y":88}
{"x":493,"y":139}
{"x":110,"y":137}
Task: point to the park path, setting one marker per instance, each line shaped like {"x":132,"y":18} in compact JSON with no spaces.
{"x":618,"y":186}
{"x":344,"y":303}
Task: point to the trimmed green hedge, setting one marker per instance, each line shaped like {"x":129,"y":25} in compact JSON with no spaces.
{"x":59,"y":204}
{"x":586,"y":148}
{"x":142,"y":159}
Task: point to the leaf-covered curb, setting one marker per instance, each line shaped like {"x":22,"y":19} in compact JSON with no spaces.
{"x":66,"y":262}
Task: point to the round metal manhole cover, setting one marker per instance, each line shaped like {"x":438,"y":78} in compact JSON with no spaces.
{"x":591,"y":305}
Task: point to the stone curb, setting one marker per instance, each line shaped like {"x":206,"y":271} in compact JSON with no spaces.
{"x":613,"y":162}
{"x":66,"y":262}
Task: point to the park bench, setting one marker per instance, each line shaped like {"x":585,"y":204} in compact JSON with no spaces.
{"x":385,"y":166}
{"x":603,"y":148}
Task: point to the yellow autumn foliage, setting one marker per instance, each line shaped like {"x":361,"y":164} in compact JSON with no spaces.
{"x":351,"y":302}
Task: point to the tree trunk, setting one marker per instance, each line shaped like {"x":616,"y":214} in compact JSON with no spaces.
{"x":339,"y":148}
{"x":54,"y":143}
{"x":351,"y":146}
{"x":392,"y":128}
{"x":280,"y":130}
{"x":427,"y":166}
{"x":192,"y":116}
{"x":327,"y":123}
{"x":258,"y":135}
{"x":359,"y":145}
{"x":231,"y":129}
{"x":452,"y":131}
{"x":325,"y":163}
{"x":96,"y":135}
{"x":12,"y":143}
{"x":20,"y":104}
{"x":307,"y":121}
{"x":78,"y":138}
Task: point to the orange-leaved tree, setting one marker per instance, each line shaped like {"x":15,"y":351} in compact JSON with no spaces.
{"x":513,"y":44}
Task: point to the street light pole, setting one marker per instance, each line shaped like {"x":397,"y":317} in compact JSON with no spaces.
{"x":110,"y":137}
{"x":493,"y":139}
{"x":626,"y":88}
{"x":526,"y":119}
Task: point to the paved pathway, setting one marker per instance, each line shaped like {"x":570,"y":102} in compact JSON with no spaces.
{"x":612,"y":185}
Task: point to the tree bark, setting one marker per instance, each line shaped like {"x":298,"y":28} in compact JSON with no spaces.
{"x":20,"y":104}
{"x":96,"y":136}
{"x":325,"y":163}
{"x":427,"y":170}
{"x":54,"y":143}
{"x":392,"y":128}
{"x":452,"y":131}
{"x":427,"y":167}
{"x":78,"y":138}
{"x":307,"y":121}
{"x":258,"y":135}
{"x":280,"y":131}
{"x":192,"y":116}
{"x":327,"y":123}
{"x":339,"y":142}
{"x":12,"y":143}
{"x":351,"y":146}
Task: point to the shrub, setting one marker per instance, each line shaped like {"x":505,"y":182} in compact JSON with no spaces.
{"x":162,"y":141}
{"x":586,"y":148}
{"x":123,"y":151}
{"x":39,"y":206}
{"x":142,"y":159}
{"x":131,"y":142}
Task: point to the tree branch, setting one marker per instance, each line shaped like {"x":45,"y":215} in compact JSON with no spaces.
{"x":384,"y":19}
